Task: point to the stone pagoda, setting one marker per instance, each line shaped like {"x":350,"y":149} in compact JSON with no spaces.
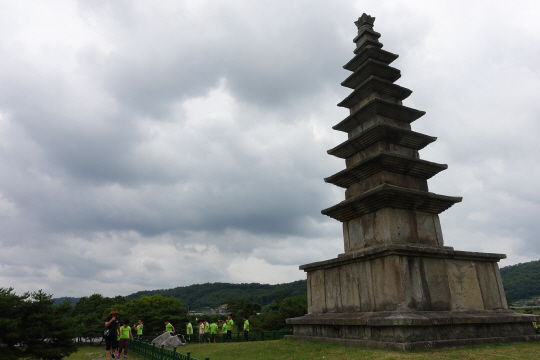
{"x":397,"y":285}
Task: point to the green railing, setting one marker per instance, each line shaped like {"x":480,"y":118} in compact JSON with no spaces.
{"x":151,"y":352}
{"x":235,"y":336}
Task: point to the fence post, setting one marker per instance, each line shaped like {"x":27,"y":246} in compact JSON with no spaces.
{"x":174,"y":353}
{"x":188,"y":355}
{"x":161,"y":353}
{"x":207,"y":358}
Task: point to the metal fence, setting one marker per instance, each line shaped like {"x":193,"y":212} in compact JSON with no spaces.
{"x":151,"y":352}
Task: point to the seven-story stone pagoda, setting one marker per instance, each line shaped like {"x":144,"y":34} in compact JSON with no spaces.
{"x":397,"y":285}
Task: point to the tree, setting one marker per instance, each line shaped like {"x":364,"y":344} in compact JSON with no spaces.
{"x":89,"y":314}
{"x":32,"y":327}
{"x":153,"y":310}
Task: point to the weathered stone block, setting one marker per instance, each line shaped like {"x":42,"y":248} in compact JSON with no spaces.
{"x":437,"y":283}
{"x":332,"y":286}
{"x":350,"y":297}
{"x":486,"y":279}
{"x":365,"y":286}
{"x":318,"y":297}
{"x":387,"y":284}
{"x":464,"y":288}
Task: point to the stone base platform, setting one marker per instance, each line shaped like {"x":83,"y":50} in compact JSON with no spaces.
{"x":416,"y":330}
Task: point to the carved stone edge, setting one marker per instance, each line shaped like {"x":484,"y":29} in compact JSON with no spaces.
{"x":377,"y":251}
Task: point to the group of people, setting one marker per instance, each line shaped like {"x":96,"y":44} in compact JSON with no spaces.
{"x":209,"y":332}
{"x":118,"y":332}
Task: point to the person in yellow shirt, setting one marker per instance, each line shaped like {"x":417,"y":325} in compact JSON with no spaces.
{"x":125,"y":335}
{"x":230,"y":327}
{"x":168,"y":327}
{"x":189,"y":330}
{"x":224,"y":329}
{"x":214,"y":330}
{"x":206,"y":331}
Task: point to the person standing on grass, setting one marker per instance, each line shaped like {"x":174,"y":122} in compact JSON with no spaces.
{"x":139,"y":328}
{"x":125,"y":334}
{"x":224,"y":330}
{"x":201,"y":331}
{"x":230,"y":327}
{"x":112,"y":325}
{"x":189,"y":330}
{"x":213,"y":330}
{"x":206,"y":330}
{"x":246,"y":328}
{"x":168,"y":327}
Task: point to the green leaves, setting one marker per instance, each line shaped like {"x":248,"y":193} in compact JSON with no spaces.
{"x":32,"y":327}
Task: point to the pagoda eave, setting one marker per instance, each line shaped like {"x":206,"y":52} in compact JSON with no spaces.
{"x":371,"y":68}
{"x":385,"y":161}
{"x":377,"y":85}
{"x":393,"y":197}
{"x":380,"y":107}
{"x":381,"y":132}
{"x":370,"y":52}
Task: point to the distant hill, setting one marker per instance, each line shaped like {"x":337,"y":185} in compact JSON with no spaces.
{"x":521,"y":281}
{"x":61,"y":299}
{"x":199,"y":296}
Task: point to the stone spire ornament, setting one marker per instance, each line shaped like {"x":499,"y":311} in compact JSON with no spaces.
{"x":397,"y":285}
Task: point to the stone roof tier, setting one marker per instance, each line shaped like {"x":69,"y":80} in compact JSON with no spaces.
{"x":381,"y":132}
{"x":385,"y":161}
{"x":368,"y":68}
{"x":374,"y":84}
{"x":378,"y":107}
{"x":390,"y":196}
{"x":370,"y":52}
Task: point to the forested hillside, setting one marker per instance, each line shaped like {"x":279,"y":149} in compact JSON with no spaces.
{"x":199,"y":296}
{"x":521,"y":281}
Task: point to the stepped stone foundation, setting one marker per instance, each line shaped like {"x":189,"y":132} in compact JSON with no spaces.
{"x":397,"y":285}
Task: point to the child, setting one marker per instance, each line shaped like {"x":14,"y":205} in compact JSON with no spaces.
{"x":206,"y":331}
{"x":125,"y":334}
{"x":189,"y":330}
{"x":246,"y":328}
{"x":201,"y":331}
{"x":230,"y":327}
{"x":224,"y":330}
{"x":168,"y":327}
{"x":213,"y":330}
{"x":139,"y":329}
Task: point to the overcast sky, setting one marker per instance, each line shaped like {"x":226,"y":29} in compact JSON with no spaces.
{"x":155,"y":144}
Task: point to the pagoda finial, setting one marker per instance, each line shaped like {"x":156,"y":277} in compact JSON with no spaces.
{"x":365,"y":19}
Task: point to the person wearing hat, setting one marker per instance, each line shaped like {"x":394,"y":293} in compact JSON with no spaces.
{"x":112,"y":325}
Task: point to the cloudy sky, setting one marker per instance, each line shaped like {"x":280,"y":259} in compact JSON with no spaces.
{"x":149,"y":145}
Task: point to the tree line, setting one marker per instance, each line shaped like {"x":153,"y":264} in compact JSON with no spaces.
{"x":198,"y":296}
{"x":521,"y":281}
{"x":32,"y":326}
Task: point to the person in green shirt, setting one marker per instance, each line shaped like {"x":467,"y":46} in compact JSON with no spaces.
{"x":125,"y":335}
{"x":214,"y":330}
{"x":168,"y":327}
{"x":230,"y":327}
{"x":189,"y":330}
{"x":224,"y":329}
{"x":139,"y":328}
{"x":206,"y":330}
{"x":246,"y":328}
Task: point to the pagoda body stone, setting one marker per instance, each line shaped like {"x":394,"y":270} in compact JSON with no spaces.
{"x":397,"y":285}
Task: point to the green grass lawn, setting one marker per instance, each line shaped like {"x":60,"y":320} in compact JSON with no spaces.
{"x":293,"y":349}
